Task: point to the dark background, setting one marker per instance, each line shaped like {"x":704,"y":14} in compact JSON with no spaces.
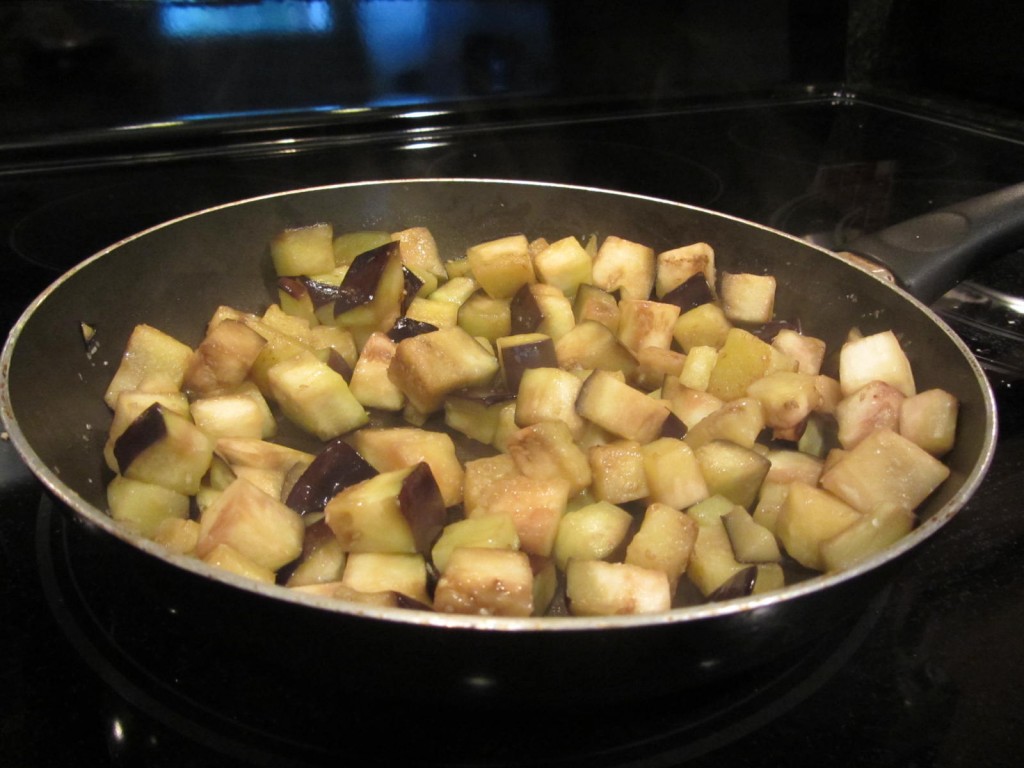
{"x":71,"y":68}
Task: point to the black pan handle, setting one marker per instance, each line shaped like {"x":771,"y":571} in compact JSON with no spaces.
{"x":933,"y":252}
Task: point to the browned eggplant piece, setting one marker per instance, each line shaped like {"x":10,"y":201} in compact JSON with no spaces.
{"x":339,"y":364}
{"x":741,"y":584}
{"x":363,"y":278}
{"x":422,"y":504}
{"x":522,"y":351}
{"x":690,"y":294}
{"x":317,"y":537}
{"x":768,"y":331}
{"x":673,"y":427}
{"x":527,"y":314}
{"x":397,"y":512}
{"x":320,"y":294}
{"x":337,"y":466}
{"x":164,"y":448}
{"x":406,"y":327}
{"x":413,"y":284}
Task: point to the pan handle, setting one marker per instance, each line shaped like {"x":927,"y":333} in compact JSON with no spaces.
{"x":933,"y":252}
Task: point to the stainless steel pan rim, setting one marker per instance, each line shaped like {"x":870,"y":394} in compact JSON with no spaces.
{"x":98,"y":518}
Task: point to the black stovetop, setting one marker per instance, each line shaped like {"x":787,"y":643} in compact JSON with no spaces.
{"x":929,"y":676}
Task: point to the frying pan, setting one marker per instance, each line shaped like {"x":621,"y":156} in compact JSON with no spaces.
{"x":274,"y":653}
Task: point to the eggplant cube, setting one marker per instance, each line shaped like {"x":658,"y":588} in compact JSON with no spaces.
{"x":751,"y":541}
{"x":742,"y":360}
{"x":371,"y":294}
{"x":549,"y":394}
{"x":485,"y":581}
{"x":430,"y":366}
{"x":808,"y":351}
{"x":876,"y":530}
{"x":400,"y":447}
{"x":164,"y":448}
{"x":748,"y":298}
{"x":739,"y":421}
{"x":809,"y":517}
{"x":399,"y":512}
{"x":144,"y":506}
{"x":521,"y":352}
{"x":564,"y":264}
{"x":597,"y":588}
{"x":597,"y":305}
{"x":494,"y":487}
{"x":540,"y":308}
{"x":370,"y":384}
{"x":259,"y":527}
{"x":928,"y":419}
{"x":502,"y":266}
{"x":303,"y":250}
{"x":878,"y":357}
{"x":591,"y":532}
{"x":712,"y":561}
{"x":492,"y":531}
{"x":476,"y":414}
{"x":486,"y":317}
{"x":624,"y":266}
{"x":679,"y":265}
{"x":373,"y":572}
{"x":885,"y":467}
{"x":591,"y":345}
{"x":664,"y":541}
{"x":418,"y":250}
{"x":234,"y":415}
{"x":130,"y":405}
{"x":732,"y":470}
{"x":619,"y":472}
{"x":223,"y":358}
{"x":315,"y":397}
{"x":617,"y":407}
{"x":874,"y":406}
{"x":229,"y":559}
{"x":644,"y":323}
{"x":787,"y":398}
{"x":674,"y":474}
{"x":152,"y":362}
{"x":702,"y":326}
{"x":546,"y":451}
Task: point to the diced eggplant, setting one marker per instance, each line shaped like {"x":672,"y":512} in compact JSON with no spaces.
{"x":740,"y":584}
{"x":485,"y":581}
{"x":677,"y":266}
{"x":690,"y":294}
{"x":399,"y":512}
{"x":406,"y":327}
{"x":519,"y":352}
{"x":541,"y":308}
{"x":336,"y":467}
{"x":164,"y":448}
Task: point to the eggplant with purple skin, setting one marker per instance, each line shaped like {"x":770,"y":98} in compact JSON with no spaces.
{"x":541,"y":308}
{"x":520,"y":352}
{"x":371,"y":295}
{"x":164,"y":448}
{"x":336,"y":467}
{"x":690,"y":294}
{"x":400,"y":512}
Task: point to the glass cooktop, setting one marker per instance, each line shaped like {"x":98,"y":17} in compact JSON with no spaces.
{"x":928,"y":676}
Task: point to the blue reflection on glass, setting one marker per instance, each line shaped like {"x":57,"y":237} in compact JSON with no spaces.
{"x":270,"y":17}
